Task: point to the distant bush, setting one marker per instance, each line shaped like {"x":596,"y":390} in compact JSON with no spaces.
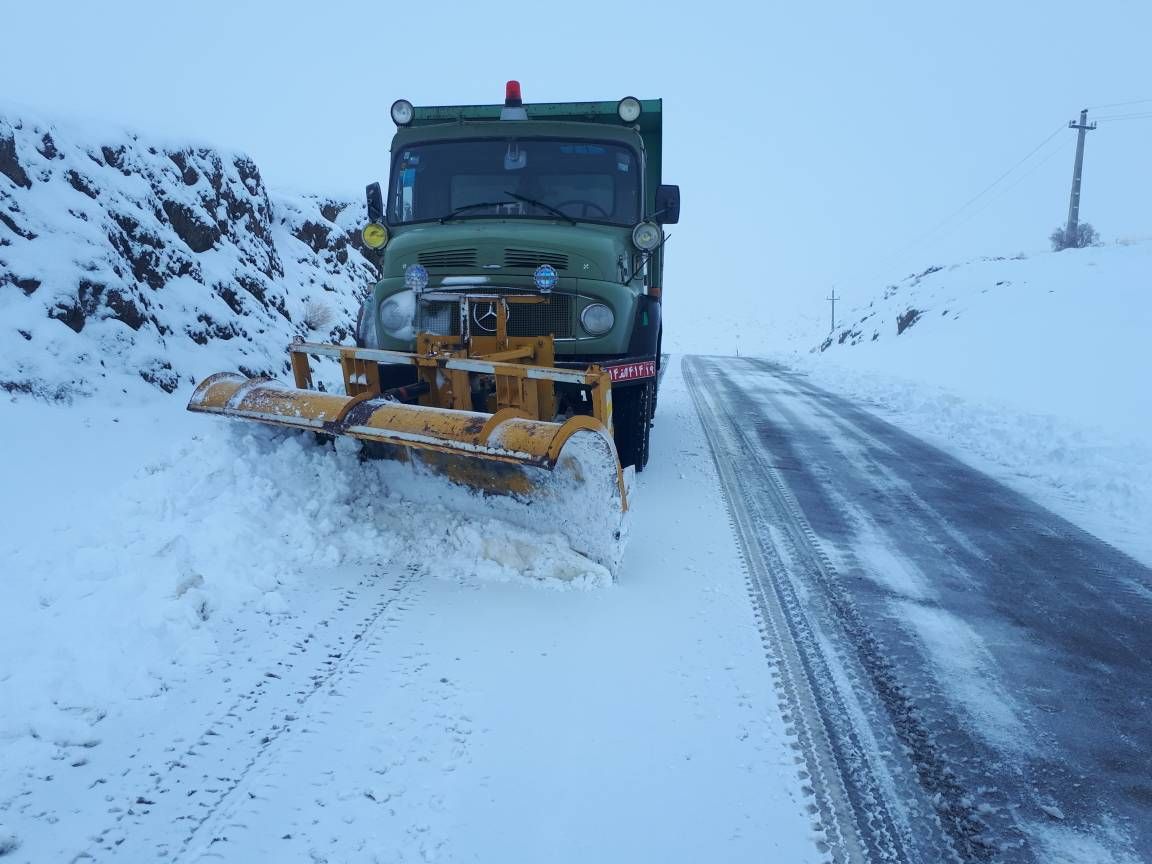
{"x":317,"y":315}
{"x":1085,"y":236}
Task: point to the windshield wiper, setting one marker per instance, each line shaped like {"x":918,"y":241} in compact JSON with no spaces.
{"x":518,"y":197}
{"x":542,"y":205}
{"x":475,"y":206}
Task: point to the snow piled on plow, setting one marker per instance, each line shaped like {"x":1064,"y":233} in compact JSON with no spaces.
{"x":119,"y":583}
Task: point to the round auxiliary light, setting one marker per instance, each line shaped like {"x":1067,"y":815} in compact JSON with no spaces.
{"x":402,"y":112}
{"x":629,"y":109}
{"x":597,"y":319}
{"x":545,"y":277}
{"x":374,"y":235}
{"x":647,"y":236}
{"x":415,"y":277}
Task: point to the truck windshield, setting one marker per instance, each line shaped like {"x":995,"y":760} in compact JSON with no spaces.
{"x":587,"y":181}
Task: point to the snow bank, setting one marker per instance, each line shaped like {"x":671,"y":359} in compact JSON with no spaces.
{"x":119,"y":598}
{"x":1034,"y":369}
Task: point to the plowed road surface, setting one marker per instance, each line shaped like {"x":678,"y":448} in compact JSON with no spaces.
{"x":970,"y":671}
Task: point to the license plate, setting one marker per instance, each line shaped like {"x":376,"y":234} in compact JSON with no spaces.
{"x":632,"y":371}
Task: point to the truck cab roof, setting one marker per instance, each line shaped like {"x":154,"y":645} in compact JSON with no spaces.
{"x":588,"y":120}
{"x":570,"y":112}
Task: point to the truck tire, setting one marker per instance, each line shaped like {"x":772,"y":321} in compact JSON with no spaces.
{"x":632,"y":423}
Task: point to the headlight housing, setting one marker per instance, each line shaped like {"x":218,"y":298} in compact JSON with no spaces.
{"x":402,"y":112}
{"x":396,"y":315}
{"x":374,"y":235}
{"x":597,"y":319}
{"x":629,"y":109}
{"x":647,"y":236}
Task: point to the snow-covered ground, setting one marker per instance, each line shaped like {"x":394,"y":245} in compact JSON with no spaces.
{"x":1034,"y":369}
{"x":521,"y":706}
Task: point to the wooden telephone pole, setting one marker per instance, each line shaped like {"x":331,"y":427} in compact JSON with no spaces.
{"x":833,"y":298}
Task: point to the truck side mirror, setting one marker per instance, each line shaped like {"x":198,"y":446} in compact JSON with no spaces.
{"x":376,"y":202}
{"x":667,"y":205}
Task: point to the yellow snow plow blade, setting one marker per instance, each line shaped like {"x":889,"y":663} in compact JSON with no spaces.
{"x":568,"y":471}
{"x":504,"y":453}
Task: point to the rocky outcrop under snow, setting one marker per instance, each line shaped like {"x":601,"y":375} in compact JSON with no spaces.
{"x":124,"y":259}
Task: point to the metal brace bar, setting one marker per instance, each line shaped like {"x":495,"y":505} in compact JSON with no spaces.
{"x":543,"y":373}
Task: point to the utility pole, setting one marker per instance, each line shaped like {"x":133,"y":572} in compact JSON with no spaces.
{"x":833,"y":298}
{"x":1083,"y":127}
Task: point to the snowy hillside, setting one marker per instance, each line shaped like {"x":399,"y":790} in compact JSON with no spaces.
{"x":1032,"y":367}
{"x":124,"y":258}
{"x":1063,"y":333}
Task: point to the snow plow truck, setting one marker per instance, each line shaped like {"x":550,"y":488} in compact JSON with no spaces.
{"x":512,"y":341}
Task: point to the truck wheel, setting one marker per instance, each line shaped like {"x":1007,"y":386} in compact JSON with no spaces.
{"x":632,"y":423}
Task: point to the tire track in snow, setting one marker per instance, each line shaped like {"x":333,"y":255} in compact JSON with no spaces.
{"x":870,"y":806}
{"x":187,"y":792}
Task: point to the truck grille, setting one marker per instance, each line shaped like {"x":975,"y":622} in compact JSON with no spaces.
{"x":529,"y":259}
{"x":448,"y":258}
{"x":553,"y":318}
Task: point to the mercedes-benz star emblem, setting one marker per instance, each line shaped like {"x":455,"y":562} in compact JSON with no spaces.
{"x":484,"y":316}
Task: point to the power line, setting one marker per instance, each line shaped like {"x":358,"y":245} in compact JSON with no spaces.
{"x":882,"y":263}
{"x":975,"y":197}
{"x":1118,"y":104}
{"x":1016,"y":182}
{"x":1120,"y":117}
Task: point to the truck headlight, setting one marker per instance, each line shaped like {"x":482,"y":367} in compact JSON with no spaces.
{"x":647,"y":236}
{"x":597,"y":319}
{"x":374,"y":235}
{"x":396,"y":315}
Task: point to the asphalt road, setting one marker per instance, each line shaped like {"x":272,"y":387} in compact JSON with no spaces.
{"x":970,"y":674}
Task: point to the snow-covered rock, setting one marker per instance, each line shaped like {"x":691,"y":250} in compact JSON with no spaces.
{"x":124,"y":258}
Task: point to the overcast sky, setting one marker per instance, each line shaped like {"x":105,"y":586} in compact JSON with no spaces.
{"x":815,"y":144}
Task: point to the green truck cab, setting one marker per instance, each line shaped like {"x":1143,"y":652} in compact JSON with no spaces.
{"x":559,"y":199}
